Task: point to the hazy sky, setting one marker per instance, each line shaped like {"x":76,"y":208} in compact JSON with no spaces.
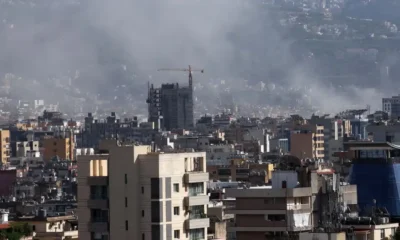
{"x":229,"y":38}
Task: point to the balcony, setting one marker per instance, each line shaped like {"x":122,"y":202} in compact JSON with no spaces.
{"x":98,"y":203}
{"x":97,"y":181}
{"x":197,"y":199}
{"x":98,"y":227}
{"x":277,"y":208}
{"x":58,"y":235}
{"x":195,"y":177}
{"x":196,"y":221}
{"x":258,"y":226}
{"x":299,"y":207}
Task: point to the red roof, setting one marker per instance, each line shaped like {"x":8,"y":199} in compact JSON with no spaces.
{"x":4,"y":226}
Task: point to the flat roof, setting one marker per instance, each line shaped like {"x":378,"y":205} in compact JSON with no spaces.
{"x":371,"y":145}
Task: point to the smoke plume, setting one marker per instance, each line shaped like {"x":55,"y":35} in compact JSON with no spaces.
{"x":100,"y":44}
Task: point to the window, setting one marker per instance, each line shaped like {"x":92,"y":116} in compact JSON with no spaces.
{"x":126,"y":225}
{"x":176,"y":211}
{"x":34,"y":228}
{"x":156,"y":232}
{"x":98,"y":192}
{"x":196,"y":189}
{"x":126,"y":178}
{"x":196,"y":233}
{"x":176,"y":234}
{"x":382,"y":234}
{"x":142,"y":190}
{"x":275,"y":217}
{"x":176,"y":187}
{"x":156,"y":184}
{"x":142,"y":213}
{"x":126,"y":202}
{"x":155,"y":211}
{"x":98,"y":215}
{"x":186,"y":164}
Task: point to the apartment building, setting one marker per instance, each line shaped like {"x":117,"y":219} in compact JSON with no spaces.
{"x":22,"y":148}
{"x":5,"y":145}
{"x":62,"y":147}
{"x":266,"y":213}
{"x":254,"y":173}
{"x":307,"y":141}
{"x":133,"y":193}
{"x":334,"y":131}
{"x":290,"y":206}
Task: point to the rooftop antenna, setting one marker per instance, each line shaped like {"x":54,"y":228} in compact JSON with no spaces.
{"x":190,"y":70}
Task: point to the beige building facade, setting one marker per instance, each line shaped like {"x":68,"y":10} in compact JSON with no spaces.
{"x":5,"y":145}
{"x":130,"y":192}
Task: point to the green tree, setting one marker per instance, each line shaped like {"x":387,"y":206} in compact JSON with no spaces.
{"x":396,"y":236}
{"x":16,"y":231}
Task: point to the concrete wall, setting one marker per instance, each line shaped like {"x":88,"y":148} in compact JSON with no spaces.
{"x":85,"y":166}
{"x":278,"y":177}
{"x":123,"y":165}
{"x":301,"y":145}
{"x":220,"y":230}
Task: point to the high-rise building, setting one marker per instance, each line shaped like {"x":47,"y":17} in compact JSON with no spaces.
{"x":171,"y":106}
{"x":130,"y":192}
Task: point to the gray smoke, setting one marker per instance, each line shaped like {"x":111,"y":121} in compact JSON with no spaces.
{"x":126,"y":41}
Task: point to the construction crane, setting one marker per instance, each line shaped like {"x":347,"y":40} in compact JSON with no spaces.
{"x":190,"y":70}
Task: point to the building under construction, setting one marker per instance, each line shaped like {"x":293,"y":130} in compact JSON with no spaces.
{"x":171,"y":106}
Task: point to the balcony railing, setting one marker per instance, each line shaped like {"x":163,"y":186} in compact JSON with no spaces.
{"x":99,"y":220}
{"x":98,"y":227}
{"x":97,"y":181}
{"x":200,"y":199}
{"x":196,"y":193}
{"x":198,"y":220}
{"x":98,"y":203}
{"x":196,"y":177}
{"x":97,"y":196}
{"x":197,"y":215}
{"x":298,"y":206}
